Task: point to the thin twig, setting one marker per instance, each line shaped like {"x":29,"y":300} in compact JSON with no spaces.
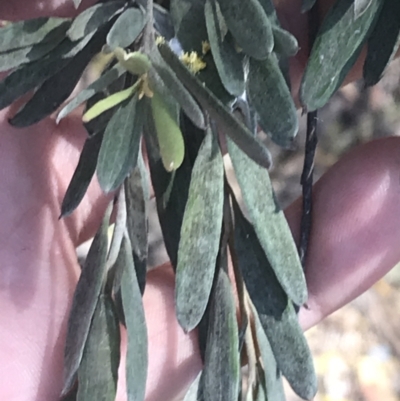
{"x":307,"y":184}
{"x":309,"y":154}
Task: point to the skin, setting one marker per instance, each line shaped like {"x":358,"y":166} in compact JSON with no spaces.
{"x":354,"y":242}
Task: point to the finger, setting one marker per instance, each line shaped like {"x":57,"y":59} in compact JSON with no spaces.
{"x":356,"y":227}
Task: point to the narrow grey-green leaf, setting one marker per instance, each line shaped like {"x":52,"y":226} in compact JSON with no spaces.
{"x":14,"y":58}
{"x":360,"y":6}
{"x":77,"y":3}
{"x":100,"y":84}
{"x":120,"y":147}
{"x":193,"y":393}
{"x":221,"y":373}
{"x":93,"y":18}
{"x":250,"y":144}
{"x":31,"y":32}
{"x":178,"y":90}
{"x":273,"y":380}
{"x":27,"y":77}
{"x":137,"y":196}
{"x":83,"y":175}
{"x":84,"y":303}
{"x":228,"y":60}
{"x":339,"y":37}
{"x":270,"y":96}
{"x":383,"y":42}
{"x":171,"y":213}
{"x":270,"y":224}
{"x":200,"y":235}
{"x":98,"y":371}
{"x":277,"y":315}
{"x":285,"y":44}
{"x":136,"y":354}
{"x":254,"y":38}
{"x":126,"y":28}
{"x":46,"y":100}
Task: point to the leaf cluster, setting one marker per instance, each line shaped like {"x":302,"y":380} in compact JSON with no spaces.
{"x":188,"y":84}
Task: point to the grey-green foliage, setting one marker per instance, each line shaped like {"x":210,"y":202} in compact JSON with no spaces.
{"x":98,"y":371}
{"x":120,"y":147}
{"x":221,"y":373}
{"x":31,"y":32}
{"x":126,"y":28}
{"x":276,"y":312}
{"x":228,"y":60}
{"x":270,"y":224}
{"x":84,"y":303}
{"x":255,"y":37}
{"x":250,"y":144}
{"x":383,"y":42}
{"x":339,"y":38}
{"x":200,"y":235}
{"x":99,"y":85}
{"x":93,"y":18}
{"x":270,"y":96}
{"x":136,"y":355}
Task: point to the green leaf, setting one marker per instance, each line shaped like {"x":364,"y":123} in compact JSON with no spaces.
{"x":277,"y":315}
{"x":270,"y":224}
{"x":137,"y":196}
{"x":84,"y":303}
{"x":254,"y":38}
{"x":270,"y":96}
{"x":228,"y":60}
{"x":383,"y":42}
{"x":178,"y":90}
{"x":127,"y":28}
{"x":165,"y":112}
{"x":120,"y":147}
{"x":338,"y":39}
{"x":100,"y":84}
{"x":77,"y":3}
{"x":250,"y":144}
{"x":32,"y":32}
{"x":93,"y":18}
{"x":200,"y":235}
{"x":98,"y":371}
{"x":272,"y":377}
{"x":285,"y":44}
{"x":136,"y":355}
{"x":83,"y":175}
{"x":221,"y":373}
{"x":46,"y":100}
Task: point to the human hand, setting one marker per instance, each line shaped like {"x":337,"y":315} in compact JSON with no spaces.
{"x":354,"y":241}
